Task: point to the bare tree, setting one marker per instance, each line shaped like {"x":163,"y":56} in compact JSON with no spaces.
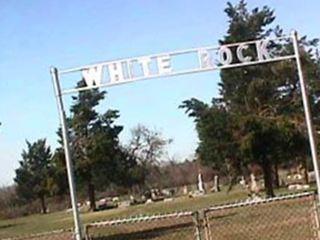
{"x":148,"y":147}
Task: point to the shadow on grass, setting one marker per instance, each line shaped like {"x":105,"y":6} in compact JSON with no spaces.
{"x":167,"y":232}
{"x":9,"y":226}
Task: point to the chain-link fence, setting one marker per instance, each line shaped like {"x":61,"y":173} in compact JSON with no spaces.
{"x":159,"y":227}
{"x":293,"y":217}
{"x":288,"y":217}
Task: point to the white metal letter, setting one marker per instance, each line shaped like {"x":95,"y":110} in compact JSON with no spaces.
{"x":225,"y":55}
{"x":164,"y":65}
{"x":145,"y":61}
{"x":115,"y":72}
{"x":93,"y":76}
{"x":240,"y":56}
{"x":262,"y":50}
{"x":205,"y":59}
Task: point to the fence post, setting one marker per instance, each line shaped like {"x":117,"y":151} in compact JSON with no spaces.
{"x":316,"y":216}
{"x":86,"y":232}
{"x":197,"y":224}
{"x":206,"y":226}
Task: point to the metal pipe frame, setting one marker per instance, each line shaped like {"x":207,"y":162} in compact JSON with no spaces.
{"x":178,"y":73}
{"x":66,"y":143}
{"x":307,"y":111}
{"x":59,"y":93}
{"x":178,"y":52}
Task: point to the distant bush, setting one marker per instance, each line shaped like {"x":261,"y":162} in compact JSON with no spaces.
{"x":8,"y":201}
{"x":12,"y":207}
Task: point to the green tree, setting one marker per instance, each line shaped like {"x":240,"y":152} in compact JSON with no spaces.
{"x":95,"y":142}
{"x":217,"y":132}
{"x":259,"y":112}
{"x":60,"y":186}
{"x":33,"y":177}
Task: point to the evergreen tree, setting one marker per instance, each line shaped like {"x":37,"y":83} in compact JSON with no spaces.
{"x":259,"y":116}
{"x":60,"y":186}
{"x":33,"y":177}
{"x":95,"y":142}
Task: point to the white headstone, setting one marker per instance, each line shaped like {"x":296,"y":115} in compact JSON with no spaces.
{"x":185,"y":190}
{"x":200,"y":183}
{"x":216,"y":187}
{"x":254,"y":184}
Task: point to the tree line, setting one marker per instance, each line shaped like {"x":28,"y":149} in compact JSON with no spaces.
{"x":98,"y":157}
{"x":256,"y":119}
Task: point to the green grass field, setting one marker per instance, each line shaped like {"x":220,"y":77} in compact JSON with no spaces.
{"x":63,"y":220}
{"x":43,"y":223}
{"x":291,"y":219}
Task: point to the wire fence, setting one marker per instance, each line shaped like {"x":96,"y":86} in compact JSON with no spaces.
{"x":161,"y":227}
{"x":293,"y":217}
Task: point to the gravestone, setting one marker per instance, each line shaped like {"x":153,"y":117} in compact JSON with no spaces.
{"x":200,"y":184}
{"x":216,"y":185}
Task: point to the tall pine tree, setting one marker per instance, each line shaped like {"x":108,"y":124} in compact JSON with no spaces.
{"x":259,"y":116}
{"x":34,"y":175}
{"x":95,"y":142}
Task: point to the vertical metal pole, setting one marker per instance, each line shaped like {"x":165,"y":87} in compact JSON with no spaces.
{"x":196,"y":221}
{"x":63,"y":120}
{"x":307,"y":112}
{"x":316,"y":217}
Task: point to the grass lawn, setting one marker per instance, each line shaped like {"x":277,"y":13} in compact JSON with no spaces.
{"x":291,"y":219}
{"x":63,"y":220}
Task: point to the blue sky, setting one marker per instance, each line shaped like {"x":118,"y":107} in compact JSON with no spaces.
{"x":35,"y":35}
